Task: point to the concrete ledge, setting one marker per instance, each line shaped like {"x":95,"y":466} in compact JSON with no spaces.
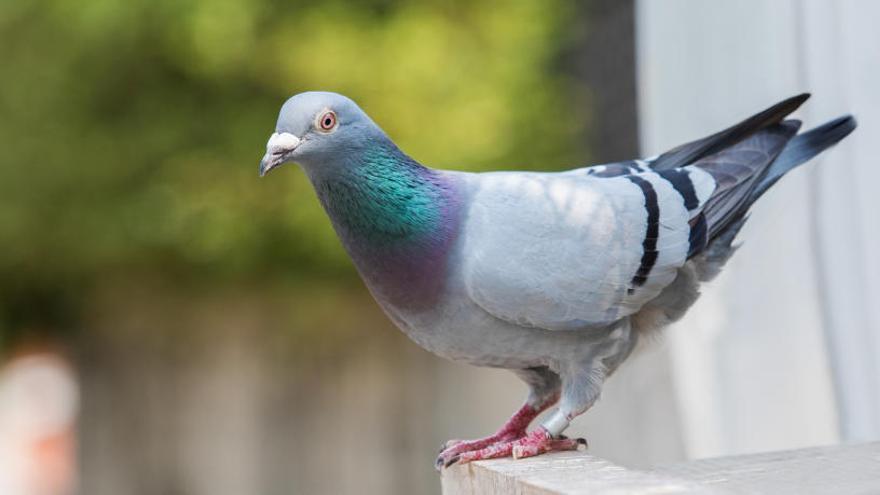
{"x":558,"y":473}
{"x":840,"y":470}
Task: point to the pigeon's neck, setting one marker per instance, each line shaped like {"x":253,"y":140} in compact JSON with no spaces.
{"x":397,"y":219}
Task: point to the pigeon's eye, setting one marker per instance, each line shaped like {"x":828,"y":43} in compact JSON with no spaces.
{"x":327,"y":121}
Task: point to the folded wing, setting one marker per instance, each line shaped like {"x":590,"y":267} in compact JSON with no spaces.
{"x":568,"y":251}
{"x":589,"y":246}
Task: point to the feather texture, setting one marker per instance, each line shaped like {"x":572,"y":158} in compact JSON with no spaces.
{"x":568,"y":251}
{"x":691,"y":152}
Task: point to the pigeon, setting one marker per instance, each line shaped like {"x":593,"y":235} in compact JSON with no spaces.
{"x":553,"y":275}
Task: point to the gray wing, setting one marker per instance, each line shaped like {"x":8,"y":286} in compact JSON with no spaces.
{"x":636,"y":222}
{"x":568,"y":251}
{"x":738,"y":158}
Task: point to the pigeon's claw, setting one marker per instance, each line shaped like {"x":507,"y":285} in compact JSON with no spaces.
{"x":452,"y":449}
{"x":535,"y":443}
{"x":449,"y":444}
{"x":513,"y":429}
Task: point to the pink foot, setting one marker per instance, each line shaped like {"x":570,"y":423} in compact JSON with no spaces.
{"x":513,"y":429}
{"x":537,"y":442}
{"x":454,"y":448}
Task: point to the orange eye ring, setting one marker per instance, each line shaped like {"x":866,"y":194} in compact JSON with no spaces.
{"x":326,"y":121}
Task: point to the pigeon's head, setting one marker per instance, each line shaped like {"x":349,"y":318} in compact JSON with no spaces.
{"x":318,"y":128}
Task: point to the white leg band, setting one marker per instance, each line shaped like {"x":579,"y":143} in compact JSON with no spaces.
{"x":556,"y":423}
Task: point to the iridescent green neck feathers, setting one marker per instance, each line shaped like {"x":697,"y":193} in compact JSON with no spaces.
{"x":397,"y":219}
{"x":385,"y":199}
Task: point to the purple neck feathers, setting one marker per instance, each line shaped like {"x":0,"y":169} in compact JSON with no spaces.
{"x":398,"y":220}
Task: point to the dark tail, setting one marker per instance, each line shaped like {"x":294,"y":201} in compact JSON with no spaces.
{"x":797,"y":151}
{"x":687,"y":154}
{"x":802,"y":148}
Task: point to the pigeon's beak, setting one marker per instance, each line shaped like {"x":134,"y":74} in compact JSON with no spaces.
{"x":278,"y":151}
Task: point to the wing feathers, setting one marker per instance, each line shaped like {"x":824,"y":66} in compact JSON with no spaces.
{"x":693,"y":151}
{"x":590,"y":246}
{"x":649,"y":244}
{"x":680,"y":180}
{"x":803,"y":147}
{"x":579,"y":246}
{"x":739,"y":169}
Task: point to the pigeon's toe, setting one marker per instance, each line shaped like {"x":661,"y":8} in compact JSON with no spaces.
{"x":535,"y":443}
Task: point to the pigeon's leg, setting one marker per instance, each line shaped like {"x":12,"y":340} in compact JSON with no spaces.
{"x":582,"y":381}
{"x":544,"y":386}
{"x":580,"y":390}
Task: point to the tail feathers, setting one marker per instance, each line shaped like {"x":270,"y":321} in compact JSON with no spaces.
{"x":797,"y":151}
{"x":802,"y":148}
{"x":738,"y":170}
{"x":693,"y":151}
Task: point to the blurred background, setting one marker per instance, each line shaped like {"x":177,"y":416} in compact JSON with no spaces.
{"x":170,"y":324}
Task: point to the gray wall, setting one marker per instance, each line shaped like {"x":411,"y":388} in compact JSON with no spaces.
{"x":781,"y":350}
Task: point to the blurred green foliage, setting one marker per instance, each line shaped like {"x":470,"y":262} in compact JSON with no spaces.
{"x":131,"y":129}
